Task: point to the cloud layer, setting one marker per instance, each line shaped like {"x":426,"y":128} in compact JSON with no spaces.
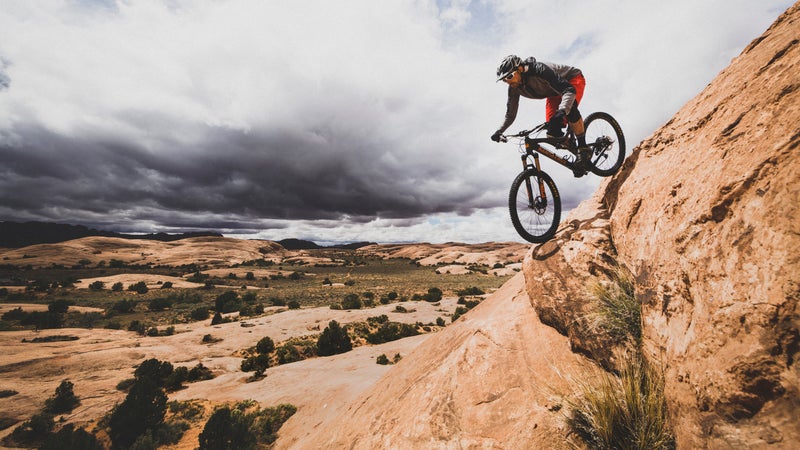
{"x":332,"y":121}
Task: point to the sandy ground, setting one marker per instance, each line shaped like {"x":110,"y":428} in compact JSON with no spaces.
{"x":101,"y":358}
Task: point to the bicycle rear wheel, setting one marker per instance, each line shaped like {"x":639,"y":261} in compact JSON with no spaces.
{"x":535,"y":206}
{"x":604,"y":136}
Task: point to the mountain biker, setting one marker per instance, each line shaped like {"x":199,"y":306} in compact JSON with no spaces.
{"x":561,"y":85}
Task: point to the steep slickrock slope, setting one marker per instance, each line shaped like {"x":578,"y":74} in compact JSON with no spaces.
{"x":705,"y":215}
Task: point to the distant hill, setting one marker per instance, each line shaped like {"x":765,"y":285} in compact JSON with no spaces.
{"x":22,"y":234}
{"x":300,"y":244}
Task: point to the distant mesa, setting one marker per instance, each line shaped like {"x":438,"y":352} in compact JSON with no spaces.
{"x":300,"y":244}
{"x":23,"y":234}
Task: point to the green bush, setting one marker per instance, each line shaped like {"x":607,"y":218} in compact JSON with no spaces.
{"x":351,"y":301}
{"x":470,"y":291}
{"x":628,"y":412}
{"x":333,"y":340}
{"x":64,"y":399}
{"x":97,"y":286}
{"x":34,"y":430}
{"x":70,"y":438}
{"x":391,"y":331}
{"x":265,"y":345}
{"x":143,"y":409}
{"x":124,"y":306}
{"x":294,"y":304}
{"x":139,"y":288}
{"x":117,"y":287}
{"x":227,"y":302}
{"x":159,"y":304}
{"x":434,"y":295}
{"x":227,"y":429}
{"x":200,"y":314}
{"x":258,"y":363}
{"x":287,"y":353}
{"x":618,"y":311}
{"x":382,"y":359}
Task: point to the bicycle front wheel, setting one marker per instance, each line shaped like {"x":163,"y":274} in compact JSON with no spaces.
{"x":604,"y":136}
{"x":535,"y":206}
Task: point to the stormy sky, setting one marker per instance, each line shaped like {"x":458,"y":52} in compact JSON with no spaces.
{"x":334,"y":121}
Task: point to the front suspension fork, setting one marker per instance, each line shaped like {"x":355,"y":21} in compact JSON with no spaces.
{"x":528,"y":187}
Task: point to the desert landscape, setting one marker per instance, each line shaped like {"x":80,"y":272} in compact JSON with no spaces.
{"x":97,"y":359}
{"x":664,"y":314}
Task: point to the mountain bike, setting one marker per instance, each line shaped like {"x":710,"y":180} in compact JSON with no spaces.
{"x":534,"y":203}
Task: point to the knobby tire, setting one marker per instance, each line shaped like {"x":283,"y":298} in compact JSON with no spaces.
{"x":535,"y":223}
{"x":599,"y":126}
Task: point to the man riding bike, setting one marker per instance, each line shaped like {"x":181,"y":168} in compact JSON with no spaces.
{"x":561,"y":85}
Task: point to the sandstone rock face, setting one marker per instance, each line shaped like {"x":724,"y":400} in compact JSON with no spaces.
{"x":705,"y":214}
{"x":490,"y":380}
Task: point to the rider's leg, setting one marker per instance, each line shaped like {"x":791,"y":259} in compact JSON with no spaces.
{"x":576,"y":125}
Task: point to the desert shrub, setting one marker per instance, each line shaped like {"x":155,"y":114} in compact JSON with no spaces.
{"x":382,"y":359}
{"x":392,"y":296}
{"x":434,"y":295}
{"x":143,"y":409}
{"x":265,"y":345}
{"x":199,"y":373}
{"x":154,"y":370}
{"x":618,"y":311}
{"x":294,"y":304}
{"x":625,"y":412}
{"x":159,"y":304}
{"x":116,"y":264}
{"x":268,"y":421}
{"x":138,"y":327}
{"x":397,"y":358}
{"x":59,"y":306}
{"x":400,"y":309}
{"x":34,"y":430}
{"x":460,"y":311}
{"x":287,"y":353}
{"x":471,"y":291}
{"x":249,"y":276}
{"x":295,"y":276}
{"x":333,"y":340}
{"x":227,"y":302}
{"x":277,"y":301}
{"x":97,"y":286}
{"x":440,"y":322}
{"x":139,"y":288}
{"x":124,"y":306}
{"x":350,"y":282}
{"x":391,"y":331}
{"x":167,"y":285}
{"x":152,"y":331}
{"x":42,"y":319}
{"x":117,"y":287}
{"x":64,"y":399}
{"x":258,"y":363}
{"x":68,"y":437}
{"x":327,"y":281}
{"x":227,"y":429}
{"x":377,"y":320}
{"x":351,"y":301}
{"x":198,"y":277}
{"x":200,"y":314}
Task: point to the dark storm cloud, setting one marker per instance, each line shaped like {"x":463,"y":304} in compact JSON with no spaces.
{"x":249,"y":175}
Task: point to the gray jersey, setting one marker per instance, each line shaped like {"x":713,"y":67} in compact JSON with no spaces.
{"x":541,"y":80}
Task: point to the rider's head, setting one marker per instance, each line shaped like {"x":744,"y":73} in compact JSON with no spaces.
{"x":508,"y":66}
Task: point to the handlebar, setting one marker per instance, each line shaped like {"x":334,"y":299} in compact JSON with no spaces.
{"x":523,"y":133}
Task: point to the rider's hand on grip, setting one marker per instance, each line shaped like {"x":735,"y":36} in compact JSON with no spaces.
{"x":496,"y":136}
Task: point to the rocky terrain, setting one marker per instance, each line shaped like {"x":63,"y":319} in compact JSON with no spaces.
{"x":704,"y":214}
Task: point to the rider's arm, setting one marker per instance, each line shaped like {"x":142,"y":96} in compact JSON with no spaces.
{"x":511,"y":109}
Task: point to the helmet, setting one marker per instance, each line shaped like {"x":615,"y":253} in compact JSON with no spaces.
{"x":508,"y":65}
